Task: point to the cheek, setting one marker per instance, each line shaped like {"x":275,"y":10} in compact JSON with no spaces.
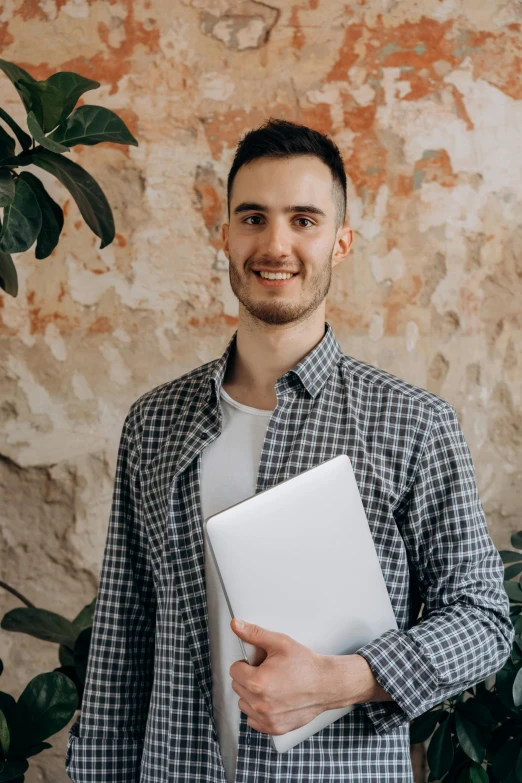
{"x":242,"y":246}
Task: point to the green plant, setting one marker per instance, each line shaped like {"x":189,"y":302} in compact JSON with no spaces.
{"x":50,"y":700}
{"x":30,"y":214}
{"x":476,"y":736}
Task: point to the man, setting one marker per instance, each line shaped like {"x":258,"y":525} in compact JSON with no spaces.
{"x":167,"y":696}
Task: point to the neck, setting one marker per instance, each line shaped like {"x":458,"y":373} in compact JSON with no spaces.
{"x":262,"y":355}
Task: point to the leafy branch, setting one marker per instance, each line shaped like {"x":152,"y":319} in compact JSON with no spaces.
{"x":54,"y":125}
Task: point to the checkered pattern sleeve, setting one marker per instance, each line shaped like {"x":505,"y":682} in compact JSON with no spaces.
{"x":465,"y":633}
{"x":105,"y":742}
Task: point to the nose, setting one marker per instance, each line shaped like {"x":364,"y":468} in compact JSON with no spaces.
{"x":277,"y":240}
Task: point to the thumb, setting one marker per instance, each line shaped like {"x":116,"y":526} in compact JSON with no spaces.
{"x":259,"y":637}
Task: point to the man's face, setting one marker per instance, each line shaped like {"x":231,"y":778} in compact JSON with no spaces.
{"x":282,"y":217}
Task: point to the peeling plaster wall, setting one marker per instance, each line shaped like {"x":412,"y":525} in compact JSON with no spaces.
{"x":424,"y":99}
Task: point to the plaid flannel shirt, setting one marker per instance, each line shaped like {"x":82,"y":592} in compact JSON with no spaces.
{"x":147,"y":713}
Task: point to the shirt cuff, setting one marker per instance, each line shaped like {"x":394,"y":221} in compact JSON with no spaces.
{"x":399,"y":667}
{"x":92,"y":760}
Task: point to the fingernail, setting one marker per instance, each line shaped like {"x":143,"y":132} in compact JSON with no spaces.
{"x":240,"y":624}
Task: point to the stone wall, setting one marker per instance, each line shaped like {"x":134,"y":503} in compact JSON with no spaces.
{"x":424,"y":99}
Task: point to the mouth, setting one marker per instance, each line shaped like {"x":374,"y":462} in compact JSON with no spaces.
{"x":275,"y":283}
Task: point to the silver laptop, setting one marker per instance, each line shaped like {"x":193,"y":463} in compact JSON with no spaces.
{"x":299,"y":558}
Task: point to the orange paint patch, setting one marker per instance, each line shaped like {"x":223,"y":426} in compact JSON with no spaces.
{"x":358,"y":118}
{"x":368,"y":163}
{"x":27,"y":9}
{"x":78,"y":224}
{"x":349,"y":53}
{"x":109,"y":66}
{"x":499,"y":62}
{"x":223,"y":131}
{"x":65,"y":207}
{"x":399,"y":299}
{"x":317,"y":117}
{"x":101,"y":325}
{"x":298,"y":39}
{"x":120,"y":239}
{"x":39,"y":322}
{"x":213,"y":321}
{"x":436,"y":168}
{"x":211,"y":205}
{"x":461,"y":108}
{"x":5,"y":36}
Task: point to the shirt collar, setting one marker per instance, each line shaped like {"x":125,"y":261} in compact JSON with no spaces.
{"x":312,"y":372}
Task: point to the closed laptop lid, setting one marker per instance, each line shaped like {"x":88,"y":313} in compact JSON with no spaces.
{"x":299,"y":558}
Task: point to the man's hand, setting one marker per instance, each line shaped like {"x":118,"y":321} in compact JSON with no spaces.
{"x":287,"y":690}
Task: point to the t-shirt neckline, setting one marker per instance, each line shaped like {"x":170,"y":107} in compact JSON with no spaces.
{"x":242,"y":407}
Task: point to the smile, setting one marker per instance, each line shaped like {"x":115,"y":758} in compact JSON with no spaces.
{"x":275,"y":283}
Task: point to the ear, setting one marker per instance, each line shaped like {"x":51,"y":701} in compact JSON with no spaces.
{"x":224,"y":235}
{"x":342,"y":245}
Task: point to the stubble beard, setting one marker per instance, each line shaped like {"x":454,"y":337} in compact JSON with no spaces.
{"x":280,"y":308}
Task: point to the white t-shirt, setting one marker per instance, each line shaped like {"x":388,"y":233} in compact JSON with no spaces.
{"x":229,"y":467}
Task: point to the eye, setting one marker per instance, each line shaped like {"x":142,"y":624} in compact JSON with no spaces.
{"x":252,"y":217}
{"x":307,"y":219}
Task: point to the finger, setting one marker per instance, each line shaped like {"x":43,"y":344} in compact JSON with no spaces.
{"x":254,"y":724}
{"x":245,"y":707}
{"x":241,"y":690}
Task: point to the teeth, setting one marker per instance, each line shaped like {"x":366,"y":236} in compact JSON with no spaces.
{"x":276,"y":276}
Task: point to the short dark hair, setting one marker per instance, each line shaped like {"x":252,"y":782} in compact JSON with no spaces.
{"x":283,"y":139}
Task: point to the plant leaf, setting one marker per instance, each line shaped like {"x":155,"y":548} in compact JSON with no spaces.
{"x":510,"y":557}
{"x":22,"y":220}
{"x":7,"y":188}
{"x":45,"y":102}
{"x":513,"y":590}
{"x":440,"y":750}
{"x":8,"y":276}
{"x":24,"y":138}
{"x":469,"y":737}
{"x":423,"y":726}
{"x":504,"y":680}
{"x":39,"y":136}
{"x":52,"y":217}
{"x":4,"y":734}
{"x":71,"y":86}
{"x":46,"y":705}
{"x":34,"y":749}
{"x":40,"y":623}
{"x":92,"y":125}
{"x":54,"y":98}
{"x":15,"y":74}
{"x":7,"y":705}
{"x":517,"y":689}
{"x":90,"y":198}
{"x":7,"y":144}
{"x":516,"y":540}
{"x":512,"y":570}
{"x":477,"y":713}
{"x":518,"y":768}
{"x":506,"y":758}
{"x":477,"y":773}
{"x":12,"y":769}
{"x":85,"y":617}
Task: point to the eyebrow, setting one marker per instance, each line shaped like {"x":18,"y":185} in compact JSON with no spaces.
{"x":253,"y":206}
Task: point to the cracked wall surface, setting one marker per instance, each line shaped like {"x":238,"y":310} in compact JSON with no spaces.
{"x":424,"y":99}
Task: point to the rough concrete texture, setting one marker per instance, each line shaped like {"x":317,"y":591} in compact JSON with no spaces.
{"x":424,"y":99}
